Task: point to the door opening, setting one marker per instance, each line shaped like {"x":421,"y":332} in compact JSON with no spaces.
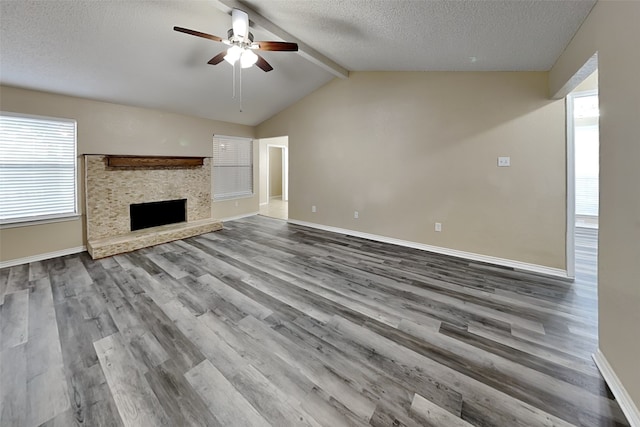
{"x":274,"y":177}
{"x":583,"y":158}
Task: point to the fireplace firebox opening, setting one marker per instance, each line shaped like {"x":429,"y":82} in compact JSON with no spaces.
{"x":153,"y":214}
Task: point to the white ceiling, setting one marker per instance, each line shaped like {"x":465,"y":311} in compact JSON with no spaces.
{"x":127,"y":52}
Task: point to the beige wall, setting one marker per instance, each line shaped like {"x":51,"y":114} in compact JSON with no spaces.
{"x":20,"y":242}
{"x":410,"y":149}
{"x":275,"y":171}
{"x":613,"y":32}
{"x":105,"y":128}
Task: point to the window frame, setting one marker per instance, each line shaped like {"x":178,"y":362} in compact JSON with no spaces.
{"x":251,"y":142}
{"x":23,"y":221}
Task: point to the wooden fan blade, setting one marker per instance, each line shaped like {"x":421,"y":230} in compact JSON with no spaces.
{"x":198,"y":34}
{"x":218,"y":58}
{"x":263,"y":64}
{"x":278,"y":46}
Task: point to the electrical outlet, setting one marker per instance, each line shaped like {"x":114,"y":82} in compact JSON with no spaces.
{"x":356,"y":214}
{"x":438,"y":226}
{"x":313,"y":208}
{"x":504,"y":162}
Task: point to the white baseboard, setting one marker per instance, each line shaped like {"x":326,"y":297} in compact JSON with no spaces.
{"x":231,"y":218}
{"x":518,"y":265}
{"x":40,"y":257}
{"x":627,"y":405}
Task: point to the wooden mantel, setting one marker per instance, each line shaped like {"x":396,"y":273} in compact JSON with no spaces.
{"x":113,"y":161}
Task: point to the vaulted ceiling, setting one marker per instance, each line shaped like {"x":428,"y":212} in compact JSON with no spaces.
{"x":127,"y":52}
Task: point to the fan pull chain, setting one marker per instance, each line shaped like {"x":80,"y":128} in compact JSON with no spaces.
{"x":240,"y":89}
{"x":233,"y":72}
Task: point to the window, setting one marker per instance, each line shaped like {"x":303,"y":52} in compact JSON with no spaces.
{"x":587,"y":169}
{"x":587,"y":156}
{"x":37,"y":168}
{"x":232,"y":168}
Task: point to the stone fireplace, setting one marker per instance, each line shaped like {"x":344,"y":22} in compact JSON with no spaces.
{"x":116,"y":186}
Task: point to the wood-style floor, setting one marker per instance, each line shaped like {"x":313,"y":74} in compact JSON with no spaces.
{"x":267,"y":323}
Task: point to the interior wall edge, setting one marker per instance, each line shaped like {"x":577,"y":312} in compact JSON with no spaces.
{"x":627,"y":405}
{"x":611,"y":30}
{"x":581,"y":74}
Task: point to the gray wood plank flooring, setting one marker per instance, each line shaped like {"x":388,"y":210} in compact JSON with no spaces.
{"x":268,"y":323}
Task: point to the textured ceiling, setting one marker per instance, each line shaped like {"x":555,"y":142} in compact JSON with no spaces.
{"x":126,"y":51}
{"x":445,"y":35}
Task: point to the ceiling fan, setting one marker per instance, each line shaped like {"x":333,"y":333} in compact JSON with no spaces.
{"x":242,"y":47}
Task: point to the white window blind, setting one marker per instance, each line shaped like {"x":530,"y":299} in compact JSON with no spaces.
{"x":232,"y":168}
{"x":37,"y":168}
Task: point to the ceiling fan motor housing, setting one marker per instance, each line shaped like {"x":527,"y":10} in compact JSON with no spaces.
{"x":232,"y":39}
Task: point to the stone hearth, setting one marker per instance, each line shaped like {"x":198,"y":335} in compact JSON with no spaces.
{"x":111,"y":190}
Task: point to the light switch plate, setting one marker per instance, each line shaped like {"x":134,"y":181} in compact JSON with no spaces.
{"x":504,"y":162}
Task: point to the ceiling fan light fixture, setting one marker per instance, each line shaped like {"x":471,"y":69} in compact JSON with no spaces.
{"x":241,"y":44}
{"x":233,"y":54}
{"x":240,"y":24}
{"x":248,"y":58}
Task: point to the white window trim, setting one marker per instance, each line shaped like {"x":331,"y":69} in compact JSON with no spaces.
{"x":48,"y":219}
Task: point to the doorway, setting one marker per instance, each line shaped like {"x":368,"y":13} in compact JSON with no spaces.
{"x":274,"y":177}
{"x":583,"y":158}
{"x":586,"y":154}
